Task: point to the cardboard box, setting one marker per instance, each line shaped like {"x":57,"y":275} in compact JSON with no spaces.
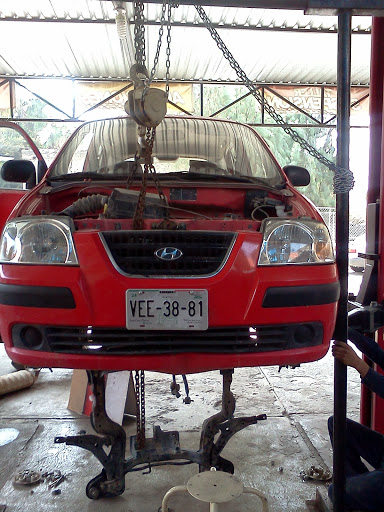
{"x":119,"y":395}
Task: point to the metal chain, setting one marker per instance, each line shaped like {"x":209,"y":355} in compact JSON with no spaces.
{"x":159,"y":41}
{"x":150,"y":140}
{"x":133,"y":170}
{"x":343,"y":180}
{"x":138,"y":218}
{"x":140,"y":408}
{"x":137,"y":398}
{"x":168,"y":49}
{"x":139,"y":33}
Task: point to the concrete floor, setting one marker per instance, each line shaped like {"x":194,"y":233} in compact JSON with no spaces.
{"x":297,"y":402}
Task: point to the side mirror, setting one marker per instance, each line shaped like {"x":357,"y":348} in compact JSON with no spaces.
{"x":19,"y":171}
{"x":298,"y":176}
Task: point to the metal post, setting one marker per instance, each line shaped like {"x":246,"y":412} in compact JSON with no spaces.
{"x":262,"y":106}
{"x":73,"y":99}
{"x":377,"y":67}
{"x":11,"y":97}
{"x":201,"y":99}
{"x":342,"y":235}
{"x":322,"y":89}
{"x":374,"y":177}
{"x":376,"y":109}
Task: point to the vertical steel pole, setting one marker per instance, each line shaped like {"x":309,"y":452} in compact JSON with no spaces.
{"x":201,"y":99}
{"x":322,"y":103}
{"x":376,"y":109}
{"x":11,"y":97}
{"x":262,"y":106}
{"x":342,"y":235}
{"x":369,"y":401}
{"x":73,"y":99}
{"x":377,"y":67}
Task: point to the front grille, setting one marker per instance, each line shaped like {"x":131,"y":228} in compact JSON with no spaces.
{"x":133,"y":252}
{"x":104,"y":341}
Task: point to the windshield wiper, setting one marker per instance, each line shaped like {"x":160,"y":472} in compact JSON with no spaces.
{"x":77,"y":176}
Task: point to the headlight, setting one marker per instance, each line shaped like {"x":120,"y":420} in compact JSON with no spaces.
{"x":38,"y":240}
{"x":295,"y":241}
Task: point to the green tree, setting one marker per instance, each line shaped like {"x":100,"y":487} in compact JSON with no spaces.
{"x":46,"y":135}
{"x":285,"y":149}
{"x":320,"y":189}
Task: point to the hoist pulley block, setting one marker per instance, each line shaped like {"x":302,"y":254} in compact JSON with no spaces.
{"x":147,"y":106}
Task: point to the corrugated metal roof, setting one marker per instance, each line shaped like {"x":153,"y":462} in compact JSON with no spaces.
{"x":78,"y":38}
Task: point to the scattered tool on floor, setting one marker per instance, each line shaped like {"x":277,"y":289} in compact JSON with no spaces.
{"x":316,"y":473}
{"x":27,"y":477}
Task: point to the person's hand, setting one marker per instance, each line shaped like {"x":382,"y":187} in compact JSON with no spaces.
{"x":346,"y":355}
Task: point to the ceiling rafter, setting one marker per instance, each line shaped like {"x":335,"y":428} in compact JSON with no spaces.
{"x":188,"y":24}
{"x":273,"y":46}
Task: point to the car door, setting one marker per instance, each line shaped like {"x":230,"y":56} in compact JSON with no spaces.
{"x":16,"y":144}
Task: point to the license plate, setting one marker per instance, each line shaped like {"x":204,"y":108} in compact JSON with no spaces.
{"x":167,"y":309}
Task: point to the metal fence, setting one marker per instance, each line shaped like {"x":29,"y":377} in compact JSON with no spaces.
{"x":356,"y":225}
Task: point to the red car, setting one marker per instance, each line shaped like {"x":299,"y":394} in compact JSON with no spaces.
{"x":228,"y":266}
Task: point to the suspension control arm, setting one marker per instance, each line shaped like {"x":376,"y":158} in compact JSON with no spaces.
{"x":223,"y":423}
{"x":111,"y":481}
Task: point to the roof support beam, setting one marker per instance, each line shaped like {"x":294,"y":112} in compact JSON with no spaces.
{"x":182,"y":24}
{"x":330,"y":7}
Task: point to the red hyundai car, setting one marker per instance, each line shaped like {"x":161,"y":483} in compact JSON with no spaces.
{"x":229,"y":266}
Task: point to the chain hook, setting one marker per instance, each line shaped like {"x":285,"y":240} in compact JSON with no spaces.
{"x":136,"y":70}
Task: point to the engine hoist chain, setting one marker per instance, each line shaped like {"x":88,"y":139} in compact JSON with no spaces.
{"x":343,"y":180}
{"x":148,"y":106}
{"x":149,"y":168}
{"x":139,"y":33}
{"x":159,"y":42}
{"x":140,"y":408}
{"x":133,"y":170}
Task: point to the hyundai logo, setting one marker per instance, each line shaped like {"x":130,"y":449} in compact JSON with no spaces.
{"x":168,"y":253}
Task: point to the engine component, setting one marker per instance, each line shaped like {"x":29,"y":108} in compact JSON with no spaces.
{"x":122,"y":204}
{"x":252,"y":199}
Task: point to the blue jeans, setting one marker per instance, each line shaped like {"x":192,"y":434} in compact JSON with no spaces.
{"x":364,"y":489}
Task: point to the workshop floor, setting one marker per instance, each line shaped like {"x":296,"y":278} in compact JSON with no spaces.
{"x":268,"y":456}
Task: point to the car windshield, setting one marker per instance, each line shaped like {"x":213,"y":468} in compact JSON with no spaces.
{"x":182,"y":145}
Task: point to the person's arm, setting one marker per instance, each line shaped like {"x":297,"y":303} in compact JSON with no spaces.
{"x":345,"y":354}
{"x":367,"y":346}
{"x":375,"y":382}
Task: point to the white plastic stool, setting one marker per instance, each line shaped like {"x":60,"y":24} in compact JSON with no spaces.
{"x":213,"y":487}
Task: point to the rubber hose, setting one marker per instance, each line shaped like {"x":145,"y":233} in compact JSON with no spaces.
{"x":17,"y":380}
{"x":89,"y":204}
